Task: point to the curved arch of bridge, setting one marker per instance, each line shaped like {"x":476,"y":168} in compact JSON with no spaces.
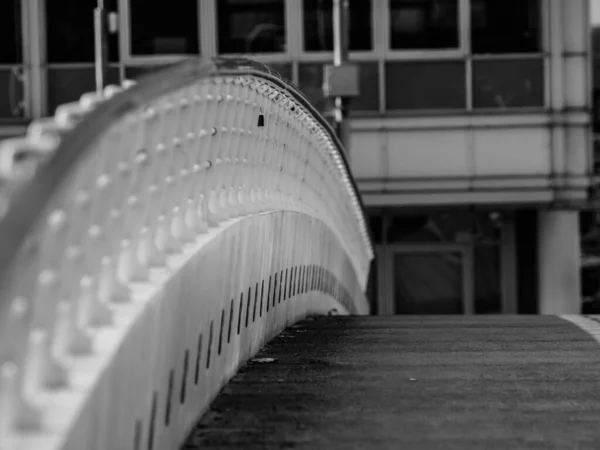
{"x":153,"y":237}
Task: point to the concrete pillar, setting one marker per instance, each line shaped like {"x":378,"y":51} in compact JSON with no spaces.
{"x":559,"y":262}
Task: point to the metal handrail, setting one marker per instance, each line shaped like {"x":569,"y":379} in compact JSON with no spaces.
{"x":28,"y":202}
{"x":93,"y":200}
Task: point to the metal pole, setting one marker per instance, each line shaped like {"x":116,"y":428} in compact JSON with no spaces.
{"x":341,"y":11}
{"x":100,"y":47}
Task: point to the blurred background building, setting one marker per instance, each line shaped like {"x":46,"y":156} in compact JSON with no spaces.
{"x":470,"y":139}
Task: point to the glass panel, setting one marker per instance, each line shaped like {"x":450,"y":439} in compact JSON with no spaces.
{"x":508,"y":84}
{"x":68,"y":84}
{"x":431,"y":85}
{"x":487,"y":279}
{"x":251,"y":26}
{"x":10,"y":32}
{"x":70,"y":28}
{"x":159,"y":29}
{"x":11,"y":93}
{"x":318,"y":25}
{"x":311,"y":83}
{"x":423,"y":24}
{"x":428,"y":283}
{"x":505,"y":26}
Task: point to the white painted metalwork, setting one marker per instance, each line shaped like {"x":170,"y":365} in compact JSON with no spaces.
{"x":155,"y":236}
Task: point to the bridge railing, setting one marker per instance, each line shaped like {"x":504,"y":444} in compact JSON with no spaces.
{"x":216,"y":171}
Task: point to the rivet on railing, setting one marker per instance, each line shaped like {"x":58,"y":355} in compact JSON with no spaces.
{"x":102,"y":181}
{"x":141,"y":156}
{"x":81,"y":198}
{"x":128,"y":84}
{"x":69,"y":114}
{"x":150,"y":113}
{"x":90,"y":100}
{"x":46,"y":133}
{"x":111,"y":90}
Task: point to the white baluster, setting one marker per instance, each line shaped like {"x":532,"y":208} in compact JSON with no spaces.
{"x":70,"y":337}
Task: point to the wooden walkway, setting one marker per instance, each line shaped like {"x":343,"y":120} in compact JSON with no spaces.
{"x":503,"y":382}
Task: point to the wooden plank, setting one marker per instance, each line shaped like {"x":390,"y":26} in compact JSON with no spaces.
{"x":414,"y":383}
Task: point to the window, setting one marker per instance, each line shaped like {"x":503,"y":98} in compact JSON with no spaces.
{"x":70,"y":31}
{"x":318,"y":25}
{"x":510,"y":83}
{"x":425,"y":85}
{"x":159,"y":28}
{"x":505,"y":26}
{"x":10,"y":32}
{"x":424,"y":24}
{"x":251,"y":26}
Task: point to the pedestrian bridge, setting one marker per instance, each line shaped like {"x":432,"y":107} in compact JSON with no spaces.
{"x":156,"y":236}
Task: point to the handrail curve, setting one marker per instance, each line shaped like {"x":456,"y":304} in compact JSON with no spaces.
{"x":120,"y":184}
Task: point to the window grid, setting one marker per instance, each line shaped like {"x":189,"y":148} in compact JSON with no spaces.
{"x":380,"y":54}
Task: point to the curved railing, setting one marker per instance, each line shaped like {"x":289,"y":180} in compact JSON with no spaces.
{"x":154,"y":237}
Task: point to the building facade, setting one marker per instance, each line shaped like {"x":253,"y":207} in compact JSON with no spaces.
{"x":471,"y":136}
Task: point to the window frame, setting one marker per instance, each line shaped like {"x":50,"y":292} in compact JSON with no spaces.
{"x":381,"y":53}
{"x":391,"y":54}
{"x":543,"y":54}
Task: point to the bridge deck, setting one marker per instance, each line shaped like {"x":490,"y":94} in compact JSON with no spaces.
{"x":414,"y":383}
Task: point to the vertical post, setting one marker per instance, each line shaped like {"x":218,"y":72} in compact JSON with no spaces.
{"x":100,"y":47}
{"x":341,"y":11}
